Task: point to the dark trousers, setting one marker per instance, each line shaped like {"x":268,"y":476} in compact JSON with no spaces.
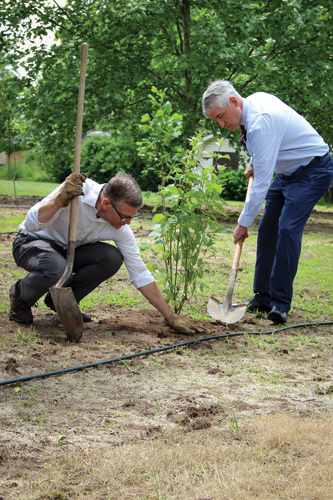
{"x":289,"y":203}
{"x":46,"y":262}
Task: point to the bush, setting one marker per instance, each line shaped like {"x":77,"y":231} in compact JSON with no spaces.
{"x":235,"y":185}
{"x":187,"y":228}
{"x":27,"y":170}
{"x":103,"y":156}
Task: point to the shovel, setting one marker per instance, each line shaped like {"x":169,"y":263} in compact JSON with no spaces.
{"x":63,"y":298}
{"x":228,"y":312}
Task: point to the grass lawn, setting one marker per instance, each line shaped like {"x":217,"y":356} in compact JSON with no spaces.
{"x":26,"y":188}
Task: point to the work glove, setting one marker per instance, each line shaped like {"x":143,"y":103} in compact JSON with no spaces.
{"x":70,"y":188}
{"x":183,"y":325}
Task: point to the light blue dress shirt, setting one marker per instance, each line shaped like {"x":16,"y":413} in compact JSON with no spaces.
{"x":277,"y":139}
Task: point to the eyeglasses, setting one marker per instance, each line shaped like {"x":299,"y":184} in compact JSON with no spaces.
{"x":122,"y":219}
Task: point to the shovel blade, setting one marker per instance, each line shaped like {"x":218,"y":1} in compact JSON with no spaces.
{"x":68,"y":311}
{"x":226,"y":312}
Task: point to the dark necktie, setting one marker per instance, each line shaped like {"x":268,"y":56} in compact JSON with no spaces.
{"x":243,"y":136}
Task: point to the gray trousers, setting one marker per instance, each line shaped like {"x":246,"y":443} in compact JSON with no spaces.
{"x":46,"y":262}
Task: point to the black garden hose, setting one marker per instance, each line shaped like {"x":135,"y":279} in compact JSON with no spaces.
{"x":146,"y":353}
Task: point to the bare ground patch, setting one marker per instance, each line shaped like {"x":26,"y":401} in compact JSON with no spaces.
{"x":229,"y":418}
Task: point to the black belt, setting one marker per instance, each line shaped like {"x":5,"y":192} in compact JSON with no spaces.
{"x":316,"y":158}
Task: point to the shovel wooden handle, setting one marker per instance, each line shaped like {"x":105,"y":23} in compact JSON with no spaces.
{"x":226,"y":312}
{"x":239,"y":244}
{"x":78,"y":139}
{"x":237,"y":254}
{"x":76,"y":168}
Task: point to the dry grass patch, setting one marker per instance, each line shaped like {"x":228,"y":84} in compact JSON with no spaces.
{"x":273,"y":457}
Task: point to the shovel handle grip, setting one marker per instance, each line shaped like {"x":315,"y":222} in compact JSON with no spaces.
{"x":239,"y":244}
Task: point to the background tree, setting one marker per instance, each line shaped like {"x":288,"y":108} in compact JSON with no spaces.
{"x":11,"y":138}
{"x":178,"y":46}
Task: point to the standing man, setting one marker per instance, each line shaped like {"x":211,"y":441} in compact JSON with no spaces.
{"x":277,"y":139}
{"x":104,"y":213}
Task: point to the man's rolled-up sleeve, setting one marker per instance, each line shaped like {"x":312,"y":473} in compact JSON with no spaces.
{"x":137,"y":269}
{"x":31,"y":222}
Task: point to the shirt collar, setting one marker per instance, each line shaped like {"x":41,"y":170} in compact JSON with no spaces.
{"x":92,"y":196}
{"x":244,"y":112}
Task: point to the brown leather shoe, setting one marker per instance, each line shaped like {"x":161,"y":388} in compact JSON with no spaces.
{"x":19,"y":310}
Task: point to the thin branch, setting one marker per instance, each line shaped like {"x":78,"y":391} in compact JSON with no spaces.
{"x":250,"y":80}
{"x":136,"y":102}
{"x":170,"y":41}
{"x":66,"y":14}
{"x":34,"y":9}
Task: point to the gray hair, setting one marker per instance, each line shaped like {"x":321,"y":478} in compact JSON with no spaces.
{"x":218,"y":93}
{"x":123,"y":188}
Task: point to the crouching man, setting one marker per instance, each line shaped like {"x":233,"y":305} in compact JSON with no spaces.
{"x":104,"y":213}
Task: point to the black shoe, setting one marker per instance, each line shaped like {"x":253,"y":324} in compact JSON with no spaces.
{"x":278,"y":315}
{"x":19,"y":310}
{"x":254,"y":306}
{"x":86,"y":318}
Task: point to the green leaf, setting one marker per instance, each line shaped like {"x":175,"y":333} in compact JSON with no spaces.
{"x":158,"y":217}
{"x":144,"y":246}
{"x":172,"y":189}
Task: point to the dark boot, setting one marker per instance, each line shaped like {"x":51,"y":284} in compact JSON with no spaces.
{"x":19,"y":310}
{"x":278,"y":315}
{"x":254,"y":306}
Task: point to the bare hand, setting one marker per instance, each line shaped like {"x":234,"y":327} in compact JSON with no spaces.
{"x":249,"y":171}
{"x":183,"y":325}
{"x":71,"y":187}
{"x":240,"y":232}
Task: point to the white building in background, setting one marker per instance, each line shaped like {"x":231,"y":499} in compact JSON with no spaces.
{"x":210,"y":145}
{"x":94,"y":132}
{"x":19,"y":156}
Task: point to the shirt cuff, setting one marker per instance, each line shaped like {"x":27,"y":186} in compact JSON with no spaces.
{"x":246,"y":220}
{"x":143,"y":279}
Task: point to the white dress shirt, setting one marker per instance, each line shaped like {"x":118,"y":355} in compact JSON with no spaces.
{"x":278,"y":139}
{"x":90,"y":229}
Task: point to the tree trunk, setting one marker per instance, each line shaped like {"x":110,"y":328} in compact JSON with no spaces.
{"x":186,"y":13}
{"x":8,"y":166}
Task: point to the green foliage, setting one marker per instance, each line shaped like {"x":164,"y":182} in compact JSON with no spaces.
{"x":235,"y":185}
{"x":160,"y":129}
{"x":103,"y":156}
{"x":11,"y":138}
{"x":28,"y":169}
{"x":279,"y":47}
{"x":187,"y":227}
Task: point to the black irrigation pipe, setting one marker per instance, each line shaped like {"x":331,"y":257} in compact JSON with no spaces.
{"x":153,"y":351}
